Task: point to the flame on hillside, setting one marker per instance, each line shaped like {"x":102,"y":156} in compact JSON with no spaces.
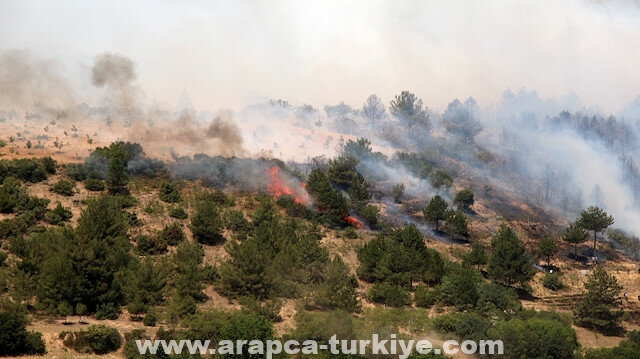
{"x":354,"y":222}
{"x":281,"y":187}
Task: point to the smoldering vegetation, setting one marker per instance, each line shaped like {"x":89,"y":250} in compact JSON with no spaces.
{"x":553,"y":153}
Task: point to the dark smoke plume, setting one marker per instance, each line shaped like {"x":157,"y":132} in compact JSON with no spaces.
{"x":226,"y":134}
{"x":117,"y":73}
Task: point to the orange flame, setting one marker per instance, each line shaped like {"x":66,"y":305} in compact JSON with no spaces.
{"x":279,"y":188}
{"x":354,"y":222}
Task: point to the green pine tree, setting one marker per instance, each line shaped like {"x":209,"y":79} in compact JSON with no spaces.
{"x":594,"y":219}
{"x":600,"y":306}
{"x":509,"y":262}
{"x":206,"y":223}
{"x":575,"y":235}
{"x":547,"y":247}
{"x":477,"y":256}
{"x":435,"y":210}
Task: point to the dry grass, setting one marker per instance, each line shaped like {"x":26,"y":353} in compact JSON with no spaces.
{"x":500,"y":206}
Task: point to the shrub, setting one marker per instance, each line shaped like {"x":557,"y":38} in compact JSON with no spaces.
{"x":393,"y":295}
{"x":64,"y":187}
{"x":3,"y":258}
{"x":94,"y":184}
{"x":218,"y":197}
{"x":150,"y":320}
{"x":494,"y":296}
{"x":464,"y":198}
{"x":552,"y":281}
{"x":49,"y":165}
{"x":77,"y":171}
{"x":173,"y":234}
{"x":178,"y":213}
{"x":169,"y":192}
{"x":151,"y":244}
{"x":26,"y":169}
{"x":237,"y":223}
{"x":206,"y":223}
{"x":536,"y":337}
{"x":247,"y":326}
{"x":98,"y":339}
{"x":370,"y":214}
{"x":350,"y":233}
{"x":107,"y":311}
{"x":130,"y":348}
{"x":397,"y":192}
{"x":293,"y":208}
{"x":440,"y":178}
{"x":269,"y":309}
{"x":127,"y":201}
{"x":58,"y":215}
{"x":137,"y":307}
{"x":154,"y":207}
{"x":423,"y":297}
{"x":14,"y":337}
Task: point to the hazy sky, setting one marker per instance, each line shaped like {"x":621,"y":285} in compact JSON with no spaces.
{"x":230,"y":53}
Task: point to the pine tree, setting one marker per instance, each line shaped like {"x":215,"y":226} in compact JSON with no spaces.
{"x":547,"y":247}
{"x":409,"y":111}
{"x":575,"y":235}
{"x":435,"y":210}
{"x":359,"y":191}
{"x":464,"y":198}
{"x":330,"y":203}
{"x":188,"y":273}
{"x":599,"y":308}
{"x":477,"y":256}
{"x":594,"y":219}
{"x":456,"y":224}
{"x":246,"y":272}
{"x":509,"y":262}
{"x":206,"y":223}
{"x":339,"y":289}
{"x":117,"y":177}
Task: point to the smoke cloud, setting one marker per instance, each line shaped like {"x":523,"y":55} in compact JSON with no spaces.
{"x":226,"y":135}
{"x":26,"y":79}
{"x":117,"y":73}
{"x":327,"y":58}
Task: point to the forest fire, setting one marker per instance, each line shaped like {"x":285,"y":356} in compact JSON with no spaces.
{"x":354,"y":222}
{"x":278,"y":187}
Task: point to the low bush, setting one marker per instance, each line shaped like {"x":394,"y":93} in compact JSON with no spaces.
{"x":58,"y":215}
{"x":150,"y":320}
{"x":350,"y":233}
{"x":107,"y":311}
{"x":94,"y":184}
{"x":173,"y":234}
{"x":15,"y":339}
{"x":151,"y":245}
{"x":393,"y":295}
{"x":77,"y":171}
{"x":98,"y":339}
{"x":169,"y":192}
{"x":423,"y":297}
{"x":178,"y":213}
{"x":552,"y":281}
{"x":238,"y":224}
{"x":49,"y":165}
{"x":130,"y":348}
{"x":154,"y":207}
